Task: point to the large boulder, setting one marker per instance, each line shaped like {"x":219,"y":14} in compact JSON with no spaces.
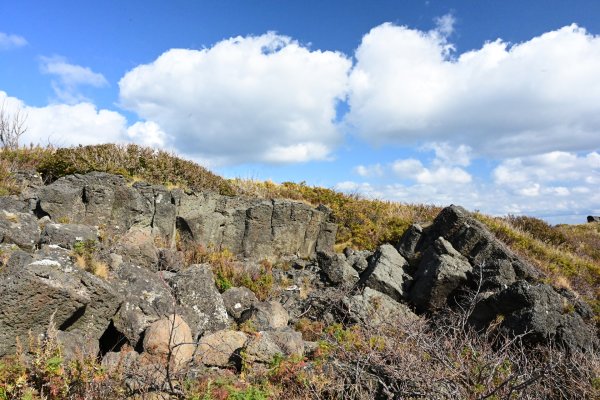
{"x":199,"y":300}
{"x":47,"y":285}
{"x":267,"y":315}
{"x":19,"y":228}
{"x":265,"y":345}
{"x":137,"y":247}
{"x":170,"y":337}
{"x":237,"y":300}
{"x":337,"y":269}
{"x":540,"y":313}
{"x":490,"y":258}
{"x":442,"y":270}
{"x":374,"y":309}
{"x":220,"y":348}
{"x":386,"y":272}
{"x":66,"y":235}
{"x":146,"y":298}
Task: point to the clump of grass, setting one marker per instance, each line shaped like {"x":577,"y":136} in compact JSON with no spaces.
{"x":229,"y":272}
{"x":84,"y":254}
{"x":131,"y":161}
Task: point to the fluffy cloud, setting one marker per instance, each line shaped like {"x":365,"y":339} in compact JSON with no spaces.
{"x":68,"y":77}
{"x":265,"y":98}
{"x":369,"y":170}
{"x":67,"y":125}
{"x":8,"y":41}
{"x":504,"y":100}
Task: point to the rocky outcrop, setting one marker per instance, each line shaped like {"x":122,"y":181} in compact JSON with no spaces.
{"x":593,"y":218}
{"x":250,"y":228}
{"x":255,"y":229}
{"x":457,"y":257}
{"x":386,"y":272}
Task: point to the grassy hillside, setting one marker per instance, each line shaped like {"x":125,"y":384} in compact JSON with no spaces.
{"x":569,"y":255}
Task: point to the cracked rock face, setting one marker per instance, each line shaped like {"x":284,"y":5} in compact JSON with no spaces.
{"x":47,"y":286}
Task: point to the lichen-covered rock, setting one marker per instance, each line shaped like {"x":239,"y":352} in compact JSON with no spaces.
{"x":265,"y":345}
{"x":48,"y":286}
{"x":136,"y":246}
{"x":66,"y":235}
{"x":200,"y":301}
{"x":266,"y":315}
{"x":373,"y":308}
{"x":19,"y":228}
{"x":146,"y":297}
{"x":237,"y":300}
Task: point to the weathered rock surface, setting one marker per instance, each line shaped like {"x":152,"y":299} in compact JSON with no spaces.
{"x":458,"y":253}
{"x":170,"y":335}
{"x":256,"y":229}
{"x":373,"y":308}
{"x":19,"y":228}
{"x":66,"y":235}
{"x":337,"y":269}
{"x":47,"y":285}
{"x":593,"y":218}
{"x":237,"y":300}
{"x":146,"y":298}
{"x":200,"y":301}
{"x":492,"y":259}
{"x":541,"y":313}
{"x":441,"y":271}
{"x":220,"y":348}
{"x":385,"y":272}
{"x":265,"y":345}
{"x":266,"y":315}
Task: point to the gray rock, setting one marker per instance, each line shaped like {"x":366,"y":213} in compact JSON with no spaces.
{"x":237,"y":300}
{"x":66,"y":235}
{"x":373,"y":308}
{"x":359,"y":260}
{"x":137,"y":247}
{"x":441,"y":271}
{"x":19,"y":228}
{"x":79,"y":302}
{"x":220,"y":348}
{"x":201,"y":303}
{"x":264,"y":346}
{"x":386,"y":272}
{"x":337,"y":269}
{"x":266,"y":315}
{"x":256,"y":229}
{"x":75,"y":346}
{"x":170,"y":260}
{"x":410,"y":242}
{"x":539,"y":312}
{"x":593,"y":218}
{"x":147,"y":297}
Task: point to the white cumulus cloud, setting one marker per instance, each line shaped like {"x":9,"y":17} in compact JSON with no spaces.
{"x":68,"y":77}
{"x":11,"y":41}
{"x":67,"y":125}
{"x":504,"y":100}
{"x":259,"y":98}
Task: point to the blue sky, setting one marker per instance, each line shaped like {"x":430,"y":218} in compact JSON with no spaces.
{"x":494,"y":105}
